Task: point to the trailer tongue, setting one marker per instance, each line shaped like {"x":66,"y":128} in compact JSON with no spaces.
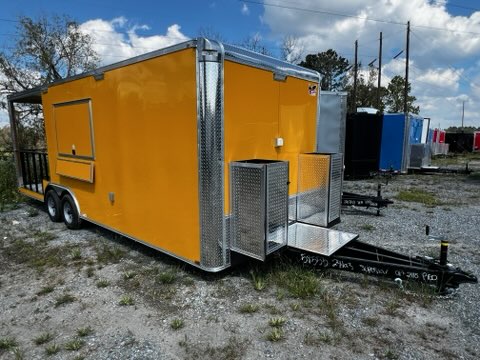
{"x":342,"y":251}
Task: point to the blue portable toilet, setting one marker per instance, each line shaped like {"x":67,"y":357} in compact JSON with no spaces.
{"x":399,"y":131}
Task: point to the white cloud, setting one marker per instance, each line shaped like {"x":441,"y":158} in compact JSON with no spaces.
{"x":116,"y":40}
{"x":245,"y":10}
{"x":4,"y":121}
{"x":432,"y":51}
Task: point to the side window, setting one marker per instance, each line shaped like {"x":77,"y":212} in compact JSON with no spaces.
{"x":74,"y":129}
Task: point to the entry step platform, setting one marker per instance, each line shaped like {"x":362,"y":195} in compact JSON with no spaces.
{"x":317,"y":239}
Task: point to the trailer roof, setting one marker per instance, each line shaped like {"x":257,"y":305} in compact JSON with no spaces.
{"x":231,"y":52}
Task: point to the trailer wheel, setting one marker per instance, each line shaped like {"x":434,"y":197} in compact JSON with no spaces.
{"x":52,"y":202}
{"x":70,"y":214}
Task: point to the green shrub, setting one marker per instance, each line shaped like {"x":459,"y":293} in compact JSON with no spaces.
{"x":8,"y":182}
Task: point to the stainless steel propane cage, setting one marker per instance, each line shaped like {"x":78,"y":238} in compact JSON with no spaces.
{"x":259,"y":199}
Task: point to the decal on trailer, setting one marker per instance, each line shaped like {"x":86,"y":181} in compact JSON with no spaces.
{"x":312,"y":90}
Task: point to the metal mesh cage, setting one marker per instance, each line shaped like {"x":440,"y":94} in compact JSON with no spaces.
{"x":259,"y":196}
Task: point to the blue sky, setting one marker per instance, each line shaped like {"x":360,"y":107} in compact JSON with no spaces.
{"x":445,"y":65}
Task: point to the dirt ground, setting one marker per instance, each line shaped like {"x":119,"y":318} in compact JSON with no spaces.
{"x":90,"y":294}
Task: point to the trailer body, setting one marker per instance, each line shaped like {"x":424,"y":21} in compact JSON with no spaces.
{"x":144,"y":146}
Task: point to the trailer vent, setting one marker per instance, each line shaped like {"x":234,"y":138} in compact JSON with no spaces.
{"x":259,"y":206}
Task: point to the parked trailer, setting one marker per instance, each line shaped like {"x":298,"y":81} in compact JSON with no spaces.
{"x":202,"y":150}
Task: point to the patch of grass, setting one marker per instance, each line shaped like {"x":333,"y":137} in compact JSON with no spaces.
{"x":52,"y":349}
{"x":418,"y":196}
{"x":43,"y":338}
{"x":391,"y":307}
{"x":127,"y":275}
{"x":167,"y":277}
{"x":299,"y":282}
{"x":258,"y":280}
{"x":43,"y":236}
{"x":85,"y":331}
{"x":109,"y":254}
{"x":64,"y":299}
{"x":371,"y":321}
{"x":277,"y":321}
{"x":74,"y":344}
{"x":126,"y":300}
{"x":76,"y":254}
{"x":367,"y":227}
{"x":102,"y":283}
{"x":276,"y":334}
{"x":45,"y":290}
{"x":295,"y":306}
{"x":272,"y":309}
{"x":248,"y":308}
{"x":7,"y":343}
{"x":391,"y":355}
{"x":177,"y":324}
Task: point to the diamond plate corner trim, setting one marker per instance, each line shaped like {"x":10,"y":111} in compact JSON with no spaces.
{"x":335,"y":201}
{"x":213,"y":246}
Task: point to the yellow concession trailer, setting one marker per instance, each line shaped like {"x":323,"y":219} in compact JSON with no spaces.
{"x":198,"y":150}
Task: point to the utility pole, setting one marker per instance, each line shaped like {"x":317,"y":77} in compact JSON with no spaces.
{"x":355,"y":71}
{"x":379,"y":71}
{"x":407,"y":57}
{"x":463,"y":112}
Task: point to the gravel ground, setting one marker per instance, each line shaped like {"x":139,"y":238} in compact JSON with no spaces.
{"x":90,"y":294}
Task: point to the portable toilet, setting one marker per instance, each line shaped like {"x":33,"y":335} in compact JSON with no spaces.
{"x":399,"y":131}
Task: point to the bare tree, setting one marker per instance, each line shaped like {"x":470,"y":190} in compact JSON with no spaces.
{"x":210,"y":33}
{"x":292,"y":49}
{"x":254,"y":43}
{"x":47,"y":49}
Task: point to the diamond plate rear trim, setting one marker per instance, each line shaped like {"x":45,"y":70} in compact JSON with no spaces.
{"x":277,"y":206}
{"x":213,"y":250}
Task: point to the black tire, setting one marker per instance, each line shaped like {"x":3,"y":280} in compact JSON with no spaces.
{"x":70,"y":215}
{"x":52,"y":203}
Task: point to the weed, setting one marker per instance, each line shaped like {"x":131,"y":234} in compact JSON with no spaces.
{"x":90,"y":271}
{"x":32,"y":212}
{"x":277,"y":321}
{"x":248,"y":308}
{"x":107,"y":254}
{"x":299,"y":282}
{"x":64,"y":299}
{"x":275,"y":335}
{"x":52,"y":349}
{"x":367,"y":227}
{"x":74,"y":345}
{"x":7,"y":343}
{"x":76,"y":254}
{"x":18,"y":354}
{"x":272,"y":309}
{"x":166,"y":277}
{"x":258,"y":280}
{"x":390,"y":354}
{"x":45,"y":290}
{"x":79,"y":357}
{"x":176,"y":324}
{"x":295,"y":306}
{"x":43,"y":338}
{"x":371,"y":321}
{"x":126,"y":300}
{"x":127,"y":275}
{"x":418,"y":196}
{"x":85,"y":331}
{"x":392,"y":306}
{"x":102,"y":283}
